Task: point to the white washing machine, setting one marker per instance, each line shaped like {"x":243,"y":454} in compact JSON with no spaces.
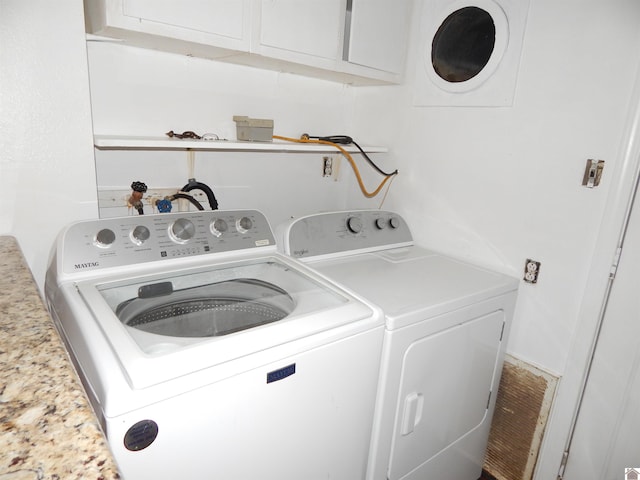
{"x":446,"y":328}
{"x":207,"y":354}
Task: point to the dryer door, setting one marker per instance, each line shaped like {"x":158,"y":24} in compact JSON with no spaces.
{"x":443,"y":415}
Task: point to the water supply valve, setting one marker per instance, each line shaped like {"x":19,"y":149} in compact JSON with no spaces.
{"x":135,"y":200}
{"x":164,"y":205}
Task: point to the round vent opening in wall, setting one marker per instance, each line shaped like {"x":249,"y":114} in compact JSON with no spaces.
{"x":470,"y":51}
{"x":463,"y":44}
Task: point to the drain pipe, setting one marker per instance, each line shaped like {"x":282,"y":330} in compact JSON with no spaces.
{"x":193,"y":185}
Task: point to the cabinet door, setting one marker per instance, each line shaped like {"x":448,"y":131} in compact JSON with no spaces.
{"x":214,"y":23}
{"x":300,"y":36}
{"x":309,"y":31}
{"x":377,"y":34}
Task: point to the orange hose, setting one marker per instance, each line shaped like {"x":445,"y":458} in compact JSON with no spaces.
{"x":364,"y":190}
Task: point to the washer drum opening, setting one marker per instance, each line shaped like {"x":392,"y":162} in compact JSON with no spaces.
{"x":209,"y":310}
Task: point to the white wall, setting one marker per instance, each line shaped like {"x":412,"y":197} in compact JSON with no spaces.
{"x":47,"y":173}
{"x":499,"y":185}
{"x":142,"y":92}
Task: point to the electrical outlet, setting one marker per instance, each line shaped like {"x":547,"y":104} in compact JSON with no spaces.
{"x":531,"y":271}
{"x":327,"y":166}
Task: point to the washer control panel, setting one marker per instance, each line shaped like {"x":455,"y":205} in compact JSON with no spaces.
{"x":342,"y":232}
{"x":112,"y":242}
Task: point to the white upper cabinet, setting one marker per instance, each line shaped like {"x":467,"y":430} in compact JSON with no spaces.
{"x":202,"y":28}
{"x":377,"y":34}
{"x":351,"y":41}
{"x":307,"y":31}
{"x":222,"y":19}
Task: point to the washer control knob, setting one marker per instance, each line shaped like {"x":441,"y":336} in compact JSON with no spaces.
{"x":140,"y":234}
{"x":218,"y":227}
{"x":354,"y":224}
{"x":381,"y":223}
{"x":182,"y":230}
{"x":244,"y":224}
{"x":104,"y":238}
{"x":394,"y":222}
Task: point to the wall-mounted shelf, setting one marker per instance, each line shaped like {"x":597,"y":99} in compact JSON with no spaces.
{"x":112,"y":142}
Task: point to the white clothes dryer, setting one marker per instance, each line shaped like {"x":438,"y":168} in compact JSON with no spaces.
{"x":207,"y":354}
{"x":447,"y":324}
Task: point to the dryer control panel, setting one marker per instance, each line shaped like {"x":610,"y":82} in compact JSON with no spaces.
{"x":114,"y":242}
{"x":344,"y":232}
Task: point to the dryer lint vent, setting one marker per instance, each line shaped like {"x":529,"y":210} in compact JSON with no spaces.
{"x":522,"y":410}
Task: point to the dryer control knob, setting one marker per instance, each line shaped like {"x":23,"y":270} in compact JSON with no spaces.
{"x":244,"y":224}
{"x":381,"y":223}
{"x":104,"y":238}
{"x":182,"y":230}
{"x":354,"y":224}
{"x":394,"y":222}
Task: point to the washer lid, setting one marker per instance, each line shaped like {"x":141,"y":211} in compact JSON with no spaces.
{"x":163,"y":326}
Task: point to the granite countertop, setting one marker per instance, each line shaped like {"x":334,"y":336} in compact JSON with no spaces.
{"x":47,"y":427}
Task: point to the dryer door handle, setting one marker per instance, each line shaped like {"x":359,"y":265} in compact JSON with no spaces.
{"x":412,"y":413}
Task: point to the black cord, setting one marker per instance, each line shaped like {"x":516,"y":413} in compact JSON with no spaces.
{"x":346,"y":140}
{"x":340,"y":139}
{"x":195,"y":202}
{"x":380,"y":171}
{"x":193,"y":185}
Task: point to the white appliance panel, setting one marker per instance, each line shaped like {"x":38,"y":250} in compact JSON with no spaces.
{"x":242,"y":428}
{"x":444,"y":392}
{"x":443,"y":377}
